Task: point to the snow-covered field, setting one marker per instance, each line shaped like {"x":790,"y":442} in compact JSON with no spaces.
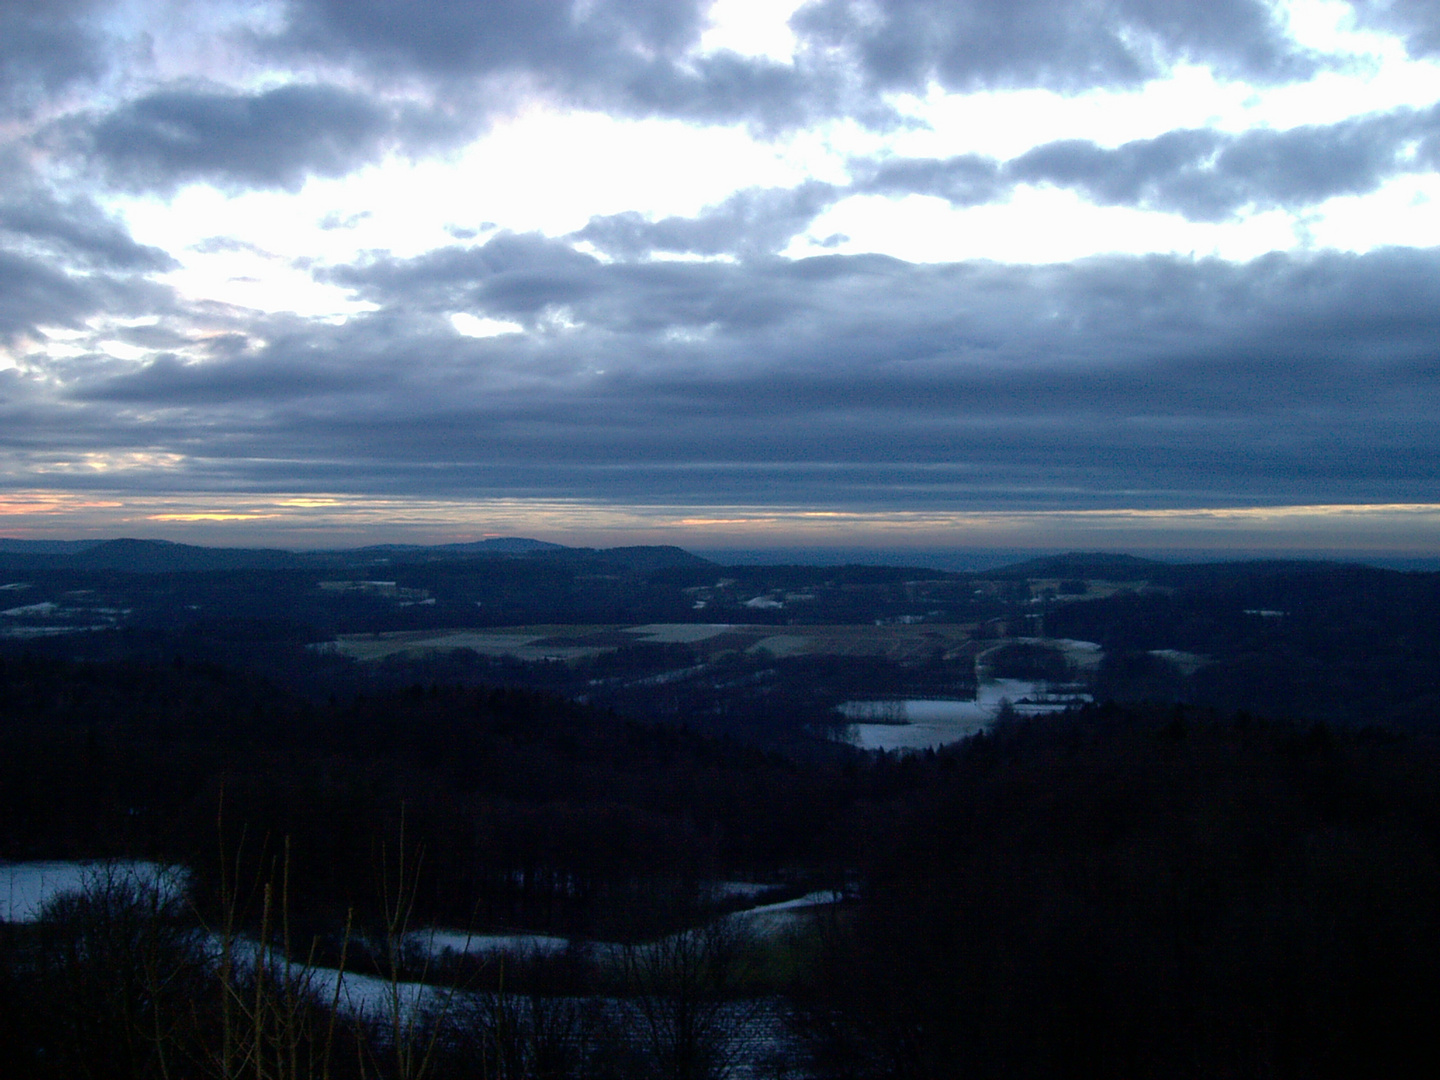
{"x":458,"y":941}
{"x":25,"y":888}
{"x":770,"y":919}
{"x":923,"y":724}
{"x":679,"y":633}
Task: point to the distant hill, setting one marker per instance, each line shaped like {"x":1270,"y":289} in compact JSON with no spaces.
{"x":138,"y":556}
{"x":1083,"y":564}
{"x":642,"y":559}
{"x":45,"y":547}
{"x":162,"y":556}
{"x":495,"y":545}
{"x":635,"y":559}
{"x":1130,"y":568}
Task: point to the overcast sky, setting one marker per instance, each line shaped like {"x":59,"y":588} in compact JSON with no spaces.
{"x":1053,"y":273}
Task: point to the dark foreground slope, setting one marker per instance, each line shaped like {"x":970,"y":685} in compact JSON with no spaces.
{"x":1133,"y":893}
{"x":532,"y":811}
{"x":1318,"y":641}
{"x":1122,"y":892}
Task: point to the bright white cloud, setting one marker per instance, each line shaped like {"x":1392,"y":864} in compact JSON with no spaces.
{"x":1404,"y":213}
{"x":550,"y":169}
{"x":751,"y":28}
{"x":473,"y":326}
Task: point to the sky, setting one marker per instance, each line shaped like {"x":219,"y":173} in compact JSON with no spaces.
{"x":1138,"y":275}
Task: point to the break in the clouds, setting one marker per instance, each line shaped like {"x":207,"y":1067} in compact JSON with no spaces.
{"x":861,"y":258}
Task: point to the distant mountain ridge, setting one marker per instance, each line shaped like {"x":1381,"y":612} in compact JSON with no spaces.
{"x":1131,"y":569}
{"x":495,"y":545}
{"x":129,"y":555}
{"x":45,"y":547}
{"x":1084,"y":564}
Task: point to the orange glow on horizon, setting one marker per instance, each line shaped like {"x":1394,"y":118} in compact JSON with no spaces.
{"x":338,"y":520}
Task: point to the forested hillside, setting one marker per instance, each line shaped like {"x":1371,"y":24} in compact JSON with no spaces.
{"x":1121,"y":891}
{"x":1220,"y":858}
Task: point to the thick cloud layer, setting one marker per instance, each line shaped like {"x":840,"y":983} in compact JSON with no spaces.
{"x":77,"y":230}
{"x":848,"y":380}
{"x":630,"y":54}
{"x":1201,"y":174}
{"x":749,"y":223}
{"x":458,"y":38}
{"x":1417,"y":20}
{"x":274,"y":139}
{"x":966,"y":44}
{"x":637,"y":54}
{"x":64,"y":259}
{"x":46,"y":48}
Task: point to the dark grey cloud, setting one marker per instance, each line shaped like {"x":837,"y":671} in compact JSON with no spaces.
{"x":518,"y":276}
{"x":756,"y":221}
{"x":622,"y":54}
{"x":854,"y":381}
{"x":46,"y":47}
{"x":63,"y":259}
{"x":1063,"y":44}
{"x":77,"y":229}
{"x":635,"y":54}
{"x":1417,"y":21}
{"x":35,"y":293}
{"x":274,"y":139}
{"x":964,"y":180}
{"x":725,"y":88}
{"x":1208,"y":176}
{"x":459,"y":38}
{"x":242,"y":377}
{"x":1203,"y":174}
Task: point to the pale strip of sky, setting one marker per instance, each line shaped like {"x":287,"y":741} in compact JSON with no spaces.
{"x":1035,"y":225}
{"x":751,"y":28}
{"x":320,"y":520}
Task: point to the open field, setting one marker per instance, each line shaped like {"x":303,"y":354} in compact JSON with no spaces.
{"x":712,"y":639}
{"x":524,"y":642}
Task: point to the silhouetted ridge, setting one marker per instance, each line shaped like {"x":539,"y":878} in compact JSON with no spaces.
{"x":1083,"y":564}
{"x":162,"y":556}
{"x":129,"y":555}
{"x":45,"y":547}
{"x":652,"y":557}
{"x":495,"y":545}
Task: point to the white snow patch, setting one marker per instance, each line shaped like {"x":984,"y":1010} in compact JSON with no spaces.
{"x":458,"y":941}
{"x":26,"y":888}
